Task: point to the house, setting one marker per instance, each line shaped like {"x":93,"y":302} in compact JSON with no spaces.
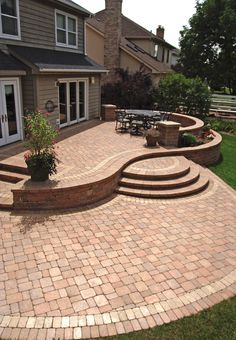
{"x":43,"y":65}
{"x":116,"y":41}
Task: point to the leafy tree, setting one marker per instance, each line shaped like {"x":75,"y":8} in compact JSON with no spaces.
{"x":134,"y":90}
{"x":178,"y":93}
{"x":208,"y":46}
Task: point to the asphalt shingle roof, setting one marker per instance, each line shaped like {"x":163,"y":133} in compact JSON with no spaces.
{"x":143,"y":56}
{"x":9,"y":63}
{"x":51,"y":59}
{"x":74,"y":5}
{"x":130,"y":29}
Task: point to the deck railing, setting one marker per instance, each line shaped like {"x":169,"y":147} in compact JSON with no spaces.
{"x":223,"y":103}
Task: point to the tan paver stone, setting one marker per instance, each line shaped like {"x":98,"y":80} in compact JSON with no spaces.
{"x":106,"y":318}
{"x":100,"y":300}
{"x":39,"y":322}
{"x":82,"y":321}
{"x":31,"y":322}
{"x":14,"y":321}
{"x":98,"y":319}
{"x":90,"y":320}
{"x":48,"y":322}
{"x":65,"y":321}
{"x":74,"y":321}
{"x":87,"y":293}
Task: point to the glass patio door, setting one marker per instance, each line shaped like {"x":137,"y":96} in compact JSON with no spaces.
{"x":82,"y":100}
{"x":9,"y":112}
{"x":72,"y":101}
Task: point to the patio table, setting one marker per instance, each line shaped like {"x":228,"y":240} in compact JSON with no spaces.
{"x":145,"y":113}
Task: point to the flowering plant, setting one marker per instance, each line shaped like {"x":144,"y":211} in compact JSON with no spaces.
{"x":40,"y":140}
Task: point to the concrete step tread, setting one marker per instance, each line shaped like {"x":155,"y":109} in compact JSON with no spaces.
{"x":187,"y":179}
{"x":13,"y":168}
{"x":12,"y":177}
{"x":194,"y":188}
{"x":158,"y":168}
{"x":6,"y":201}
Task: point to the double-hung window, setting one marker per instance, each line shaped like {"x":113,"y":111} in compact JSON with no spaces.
{"x":66,"y":30}
{"x":9,"y":19}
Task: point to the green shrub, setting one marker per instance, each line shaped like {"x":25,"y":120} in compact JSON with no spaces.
{"x":221,"y":125}
{"x":187,"y":139}
{"x":178,"y":93}
{"x":40,"y":139}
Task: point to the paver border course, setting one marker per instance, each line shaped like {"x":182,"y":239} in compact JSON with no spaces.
{"x":115,"y":322}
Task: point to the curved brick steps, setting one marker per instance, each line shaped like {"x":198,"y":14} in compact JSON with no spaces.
{"x":9,"y":176}
{"x":6,"y":198}
{"x":14,"y":168}
{"x":191,"y":177}
{"x":178,"y":178}
{"x":159,"y":168}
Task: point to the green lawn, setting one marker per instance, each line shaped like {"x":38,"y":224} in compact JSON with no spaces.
{"x":226,"y":167}
{"x":216,"y":323}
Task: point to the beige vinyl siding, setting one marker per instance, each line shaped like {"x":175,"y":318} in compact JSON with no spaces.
{"x":95,"y":99}
{"x":37,"y":22}
{"x":146,"y":44}
{"x":28,"y":92}
{"x":80,"y":35}
{"x":131,"y":64}
{"x":47,"y":90}
{"x":95,"y":45}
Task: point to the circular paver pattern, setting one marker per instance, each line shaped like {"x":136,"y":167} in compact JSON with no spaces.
{"x":117,"y":267}
{"x":159,"y":166}
{"x":156,"y":164}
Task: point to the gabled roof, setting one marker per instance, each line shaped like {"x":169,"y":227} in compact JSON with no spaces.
{"x":130,"y":29}
{"x":11,"y":64}
{"x":45,"y":60}
{"x":75,"y":6}
{"x":138,"y":53}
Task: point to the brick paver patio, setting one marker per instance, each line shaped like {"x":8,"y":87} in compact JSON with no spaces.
{"x":125,"y":265}
{"x":122,"y":265}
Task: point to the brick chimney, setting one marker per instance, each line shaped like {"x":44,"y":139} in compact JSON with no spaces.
{"x":113,"y":33}
{"x":160,"y":32}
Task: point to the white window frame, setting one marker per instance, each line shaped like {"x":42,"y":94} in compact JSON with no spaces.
{"x":19,"y":108}
{"x":66,"y":15}
{"x":9,"y":36}
{"x":67,"y":81}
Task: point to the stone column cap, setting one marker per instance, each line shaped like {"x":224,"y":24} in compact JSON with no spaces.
{"x":109,"y":105}
{"x":169,"y":123}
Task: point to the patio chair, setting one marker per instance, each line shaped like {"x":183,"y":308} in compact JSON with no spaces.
{"x":136,"y":125}
{"x":153,"y":122}
{"x":122,"y":122}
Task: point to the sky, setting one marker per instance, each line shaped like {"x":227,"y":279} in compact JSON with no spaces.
{"x":172,"y":14}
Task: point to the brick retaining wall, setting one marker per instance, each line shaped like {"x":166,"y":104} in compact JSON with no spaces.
{"x":104,"y":186}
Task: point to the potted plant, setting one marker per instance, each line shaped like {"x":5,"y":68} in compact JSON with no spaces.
{"x":41,"y":158}
{"x":152,"y":136}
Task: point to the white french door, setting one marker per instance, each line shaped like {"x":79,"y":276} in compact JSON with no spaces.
{"x":73,"y":101}
{"x":10,"y":125}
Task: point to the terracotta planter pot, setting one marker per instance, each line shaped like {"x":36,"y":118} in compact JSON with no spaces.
{"x":39,"y":174}
{"x":151,"y":141}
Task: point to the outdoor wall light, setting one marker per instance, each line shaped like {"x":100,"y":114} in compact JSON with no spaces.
{"x":92,"y":80}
